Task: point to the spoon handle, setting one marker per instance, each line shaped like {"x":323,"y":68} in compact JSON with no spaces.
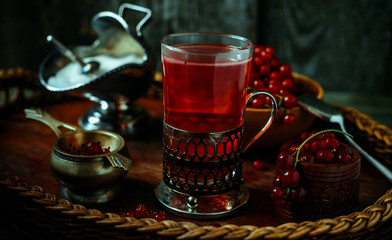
{"x":64,"y":50}
{"x":119,"y":161}
{"x":42,"y":116}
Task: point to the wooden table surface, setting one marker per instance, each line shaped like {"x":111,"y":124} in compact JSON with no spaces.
{"x":25,"y":146}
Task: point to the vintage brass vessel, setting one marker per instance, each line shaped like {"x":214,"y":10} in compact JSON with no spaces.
{"x":122,"y":72}
{"x":85,"y":179}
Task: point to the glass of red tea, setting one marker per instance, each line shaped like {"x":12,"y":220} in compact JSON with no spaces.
{"x":205,"y":78}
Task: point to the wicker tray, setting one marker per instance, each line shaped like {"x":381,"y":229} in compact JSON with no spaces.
{"x":44,"y":215}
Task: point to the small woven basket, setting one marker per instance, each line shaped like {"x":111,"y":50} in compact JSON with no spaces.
{"x":43,"y":215}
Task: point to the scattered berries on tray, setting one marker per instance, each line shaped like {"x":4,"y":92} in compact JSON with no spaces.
{"x":141,"y":211}
{"x":258,"y":165}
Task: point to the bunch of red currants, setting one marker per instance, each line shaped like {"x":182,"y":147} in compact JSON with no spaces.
{"x":314,"y":147}
{"x":268,"y":74}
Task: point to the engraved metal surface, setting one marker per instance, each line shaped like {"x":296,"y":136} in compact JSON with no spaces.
{"x":202,"y":164}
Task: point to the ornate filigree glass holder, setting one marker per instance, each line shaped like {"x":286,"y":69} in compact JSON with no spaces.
{"x":205,"y":79}
{"x":202,"y":173}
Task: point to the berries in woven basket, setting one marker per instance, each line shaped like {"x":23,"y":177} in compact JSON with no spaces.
{"x":311,"y":147}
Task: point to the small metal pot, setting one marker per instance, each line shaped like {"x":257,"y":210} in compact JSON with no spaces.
{"x":85,"y":179}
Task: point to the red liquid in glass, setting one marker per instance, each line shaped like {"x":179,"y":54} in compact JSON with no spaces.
{"x":204,"y":93}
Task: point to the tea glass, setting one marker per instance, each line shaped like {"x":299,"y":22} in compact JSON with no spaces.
{"x":205,"y":78}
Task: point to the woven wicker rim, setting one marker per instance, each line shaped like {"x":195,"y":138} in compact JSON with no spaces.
{"x":353,"y":224}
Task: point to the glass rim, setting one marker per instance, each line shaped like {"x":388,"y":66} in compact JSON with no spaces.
{"x":248,"y":43}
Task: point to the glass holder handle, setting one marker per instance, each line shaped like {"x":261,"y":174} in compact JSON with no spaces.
{"x":271,"y":119}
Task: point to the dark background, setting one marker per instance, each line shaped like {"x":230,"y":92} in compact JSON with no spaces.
{"x":345,"y":45}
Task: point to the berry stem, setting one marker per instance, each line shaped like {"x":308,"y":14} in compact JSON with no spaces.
{"x":306,"y":140}
{"x":287,"y":193}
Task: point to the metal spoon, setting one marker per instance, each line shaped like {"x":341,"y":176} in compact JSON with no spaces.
{"x":86,"y":67}
{"x":327,"y":112}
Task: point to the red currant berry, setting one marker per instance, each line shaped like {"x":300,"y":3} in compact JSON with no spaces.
{"x":275,"y":75}
{"x":304,"y":135}
{"x":289,"y":119}
{"x":285,"y":161}
{"x":258,"y":165}
{"x":267,"y":100}
{"x":257,"y":61}
{"x":140,"y":211}
{"x":273,"y":88}
{"x":257,"y":101}
{"x":329,"y":134}
{"x":306,"y":148}
{"x":283,"y":92}
{"x":318,"y":136}
{"x":297,"y":194}
{"x":270,"y":50}
{"x":293,"y":148}
{"x":275,"y":63}
{"x":324,"y":156}
{"x":285,"y":70}
{"x":127,"y":214}
{"x":257,"y":50}
{"x":265,"y":56}
{"x":276,"y":181}
{"x":290,"y":178}
{"x":264,"y":70}
{"x":150,"y":214}
{"x":288,"y":84}
{"x":275,"y":82}
{"x":277,"y":193}
{"x":332,"y":143}
{"x":159,"y":216}
{"x":307,"y":158}
{"x":289,"y":101}
{"x":93,"y":148}
{"x":345,"y":150}
{"x":344,"y":154}
{"x":317,"y":145}
{"x":258,"y":84}
{"x":343,"y":157}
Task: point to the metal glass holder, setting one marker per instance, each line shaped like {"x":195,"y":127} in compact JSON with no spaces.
{"x":202,"y":173}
